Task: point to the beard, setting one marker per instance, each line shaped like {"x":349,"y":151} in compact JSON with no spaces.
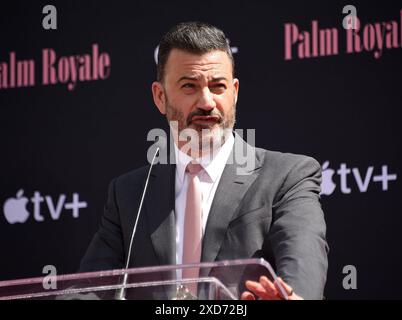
{"x":198,"y":140}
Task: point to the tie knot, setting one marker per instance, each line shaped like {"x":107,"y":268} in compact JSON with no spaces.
{"x":193,"y":168}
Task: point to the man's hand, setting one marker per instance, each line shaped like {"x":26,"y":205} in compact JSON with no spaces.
{"x":268,"y":290}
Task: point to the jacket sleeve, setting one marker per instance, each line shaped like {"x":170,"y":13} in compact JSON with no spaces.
{"x":105,"y":251}
{"x":298,"y":231}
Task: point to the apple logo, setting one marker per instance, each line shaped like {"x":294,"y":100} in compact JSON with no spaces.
{"x":327,"y":185}
{"x":15,"y":209}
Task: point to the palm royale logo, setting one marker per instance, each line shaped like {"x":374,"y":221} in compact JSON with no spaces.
{"x":68,"y":70}
{"x":318,"y":42}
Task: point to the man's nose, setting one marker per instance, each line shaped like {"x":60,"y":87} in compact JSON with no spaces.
{"x":206,"y":100}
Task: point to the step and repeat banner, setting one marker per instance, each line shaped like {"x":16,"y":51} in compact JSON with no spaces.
{"x":316,"y":78}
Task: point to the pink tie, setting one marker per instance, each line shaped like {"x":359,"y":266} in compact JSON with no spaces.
{"x":192,"y":224}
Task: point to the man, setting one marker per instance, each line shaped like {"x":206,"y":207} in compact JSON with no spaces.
{"x":271,"y":211}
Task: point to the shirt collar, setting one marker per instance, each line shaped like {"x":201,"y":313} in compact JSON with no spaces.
{"x":212,"y":165}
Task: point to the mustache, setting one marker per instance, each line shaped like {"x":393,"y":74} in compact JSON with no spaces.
{"x":204,"y":113}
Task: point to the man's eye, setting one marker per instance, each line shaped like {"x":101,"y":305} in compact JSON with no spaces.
{"x":188,"y":85}
{"x":219,"y":86}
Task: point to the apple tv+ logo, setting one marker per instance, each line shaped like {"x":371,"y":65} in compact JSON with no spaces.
{"x":15,"y":209}
{"x":362,"y":178}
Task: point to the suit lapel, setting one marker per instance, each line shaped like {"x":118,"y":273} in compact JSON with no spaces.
{"x":160,"y":213}
{"x":160,"y":205}
{"x":232,"y":187}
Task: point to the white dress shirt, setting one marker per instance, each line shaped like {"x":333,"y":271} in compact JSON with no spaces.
{"x":209,"y":178}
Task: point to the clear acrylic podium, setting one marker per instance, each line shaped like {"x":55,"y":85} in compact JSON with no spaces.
{"x":223,"y":280}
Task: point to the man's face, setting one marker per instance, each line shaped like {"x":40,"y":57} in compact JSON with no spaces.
{"x":199,"y":92}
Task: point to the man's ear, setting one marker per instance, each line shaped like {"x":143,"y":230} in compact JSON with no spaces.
{"x":158,"y":93}
{"x":236,"y":88}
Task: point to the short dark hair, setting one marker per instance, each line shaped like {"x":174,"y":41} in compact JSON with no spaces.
{"x":194,"y":37}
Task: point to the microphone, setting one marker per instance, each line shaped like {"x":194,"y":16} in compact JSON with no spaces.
{"x":121,"y":293}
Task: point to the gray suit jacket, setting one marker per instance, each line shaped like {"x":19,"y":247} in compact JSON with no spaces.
{"x":271,"y":210}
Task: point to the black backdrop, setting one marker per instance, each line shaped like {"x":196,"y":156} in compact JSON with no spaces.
{"x":342,"y":108}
